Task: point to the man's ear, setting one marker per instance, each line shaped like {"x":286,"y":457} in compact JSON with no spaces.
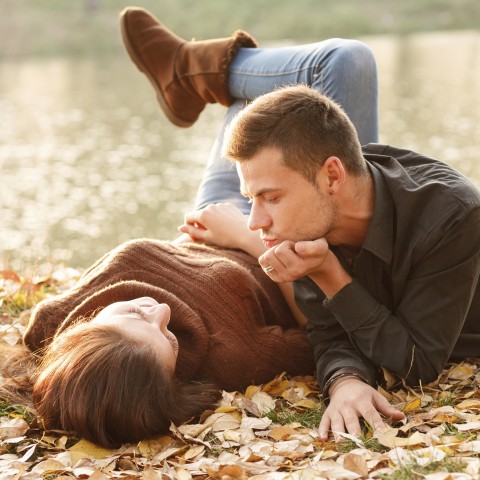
{"x":331,"y":175}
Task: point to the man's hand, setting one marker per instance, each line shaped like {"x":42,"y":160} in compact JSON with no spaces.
{"x":350,"y":400}
{"x":224,"y":225}
{"x":290,"y":261}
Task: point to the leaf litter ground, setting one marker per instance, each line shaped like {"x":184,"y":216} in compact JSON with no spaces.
{"x":266,"y":432}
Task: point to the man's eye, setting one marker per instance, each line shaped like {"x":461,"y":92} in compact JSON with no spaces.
{"x":271,"y":199}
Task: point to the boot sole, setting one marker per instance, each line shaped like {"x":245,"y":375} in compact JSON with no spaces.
{"x":137,"y":60}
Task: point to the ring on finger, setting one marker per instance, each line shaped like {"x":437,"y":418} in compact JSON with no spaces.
{"x":268,"y":269}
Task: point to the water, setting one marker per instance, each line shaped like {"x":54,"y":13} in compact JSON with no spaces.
{"x":87,"y":160}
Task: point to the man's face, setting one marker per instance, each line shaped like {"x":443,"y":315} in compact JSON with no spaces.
{"x":285,"y":206}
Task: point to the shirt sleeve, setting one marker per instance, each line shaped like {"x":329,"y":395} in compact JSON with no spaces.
{"x":416,"y":337}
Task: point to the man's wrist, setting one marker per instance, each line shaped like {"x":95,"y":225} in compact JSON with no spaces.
{"x":333,"y":277}
{"x":342,"y":373}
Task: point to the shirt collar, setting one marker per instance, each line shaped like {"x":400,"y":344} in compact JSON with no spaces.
{"x":379,"y":239}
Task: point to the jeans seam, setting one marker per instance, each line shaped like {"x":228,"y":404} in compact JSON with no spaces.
{"x":284,"y":72}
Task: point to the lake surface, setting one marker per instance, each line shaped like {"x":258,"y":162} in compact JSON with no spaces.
{"x":87,"y":159}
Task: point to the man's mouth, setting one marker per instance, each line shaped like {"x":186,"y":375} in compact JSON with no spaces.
{"x":269,"y":243}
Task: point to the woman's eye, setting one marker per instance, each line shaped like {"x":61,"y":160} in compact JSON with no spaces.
{"x":137,"y":310}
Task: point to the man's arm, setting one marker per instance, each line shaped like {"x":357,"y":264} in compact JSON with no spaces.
{"x":415,"y":338}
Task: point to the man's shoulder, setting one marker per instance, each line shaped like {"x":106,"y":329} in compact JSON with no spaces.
{"x":419,"y":175}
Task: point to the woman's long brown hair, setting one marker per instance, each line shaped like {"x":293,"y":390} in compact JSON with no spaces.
{"x":109,"y":387}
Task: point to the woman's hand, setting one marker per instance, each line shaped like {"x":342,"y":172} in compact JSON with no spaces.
{"x":224,"y":225}
{"x":350,"y":400}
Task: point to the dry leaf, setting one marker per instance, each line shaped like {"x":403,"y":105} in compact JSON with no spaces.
{"x":89,"y":449}
{"x":356,"y":463}
{"x":12,"y":427}
{"x":386,"y":437}
{"x":281,"y":433}
{"x":308,"y":404}
{"x":264,"y":402}
{"x":412,"y":405}
{"x":461,"y":372}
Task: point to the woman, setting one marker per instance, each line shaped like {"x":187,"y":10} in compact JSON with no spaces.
{"x":124,"y":351}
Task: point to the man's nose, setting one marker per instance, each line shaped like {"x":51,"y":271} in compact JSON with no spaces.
{"x":258,"y":219}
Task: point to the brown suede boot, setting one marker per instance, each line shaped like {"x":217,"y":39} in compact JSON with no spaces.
{"x":185,"y":75}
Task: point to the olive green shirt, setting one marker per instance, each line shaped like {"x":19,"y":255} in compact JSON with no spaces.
{"x":414,"y":301}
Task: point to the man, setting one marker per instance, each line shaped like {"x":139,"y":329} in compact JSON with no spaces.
{"x":383,"y":246}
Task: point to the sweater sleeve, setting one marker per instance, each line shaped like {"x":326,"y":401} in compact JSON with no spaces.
{"x":259,"y":355}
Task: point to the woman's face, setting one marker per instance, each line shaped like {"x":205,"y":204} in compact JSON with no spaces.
{"x":147,"y":320}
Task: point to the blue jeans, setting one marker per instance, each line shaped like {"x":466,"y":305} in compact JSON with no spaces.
{"x":344,"y":70}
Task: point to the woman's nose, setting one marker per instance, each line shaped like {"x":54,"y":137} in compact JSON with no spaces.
{"x":159,"y":314}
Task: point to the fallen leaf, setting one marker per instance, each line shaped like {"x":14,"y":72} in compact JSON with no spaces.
{"x":12,"y":427}
{"x":470,"y":403}
{"x":308,"y":404}
{"x":91,"y":450}
{"x":391,"y":441}
{"x":193,"y":452}
{"x":152,"y":447}
{"x":48,"y":466}
{"x":463,"y":427}
{"x":412,"y":405}
{"x":461,"y":372}
{"x":251,"y":391}
{"x":226,"y":409}
{"x":356,"y":463}
{"x":264,"y":402}
{"x":281,"y":433}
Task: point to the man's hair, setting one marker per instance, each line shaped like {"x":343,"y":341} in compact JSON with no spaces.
{"x":306,"y":126}
{"x":107,"y":386}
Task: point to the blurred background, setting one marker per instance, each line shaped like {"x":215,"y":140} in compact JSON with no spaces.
{"x":87,"y":160}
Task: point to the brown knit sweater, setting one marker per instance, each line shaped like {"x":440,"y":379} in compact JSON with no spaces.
{"x":233,"y":326}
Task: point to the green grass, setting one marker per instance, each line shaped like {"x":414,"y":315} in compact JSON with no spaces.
{"x":15,"y":411}
{"x":284,"y":416}
{"x":414,"y":471}
{"x":368,"y":441}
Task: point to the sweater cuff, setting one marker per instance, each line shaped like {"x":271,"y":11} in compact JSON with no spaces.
{"x":352,"y":306}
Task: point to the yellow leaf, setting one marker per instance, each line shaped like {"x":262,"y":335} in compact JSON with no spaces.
{"x":307,"y":403}
{"x":413,"y":405}
{"x":461,"y":372}
{"x":276,"y":387}
{"x":445,"y":418}
{"x":281,"y":433}
{"x":226,"y":409}
{"x":388,"y":437}
{"x":194,"y":452}
{"x":470,"y":403}
{"x":251,"y":391}
{"x":356,"y":463}
{"x":91,"y":450}
{"x":150,"y":448}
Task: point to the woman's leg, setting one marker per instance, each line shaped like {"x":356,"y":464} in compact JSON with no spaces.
{"x":344,"y":70}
